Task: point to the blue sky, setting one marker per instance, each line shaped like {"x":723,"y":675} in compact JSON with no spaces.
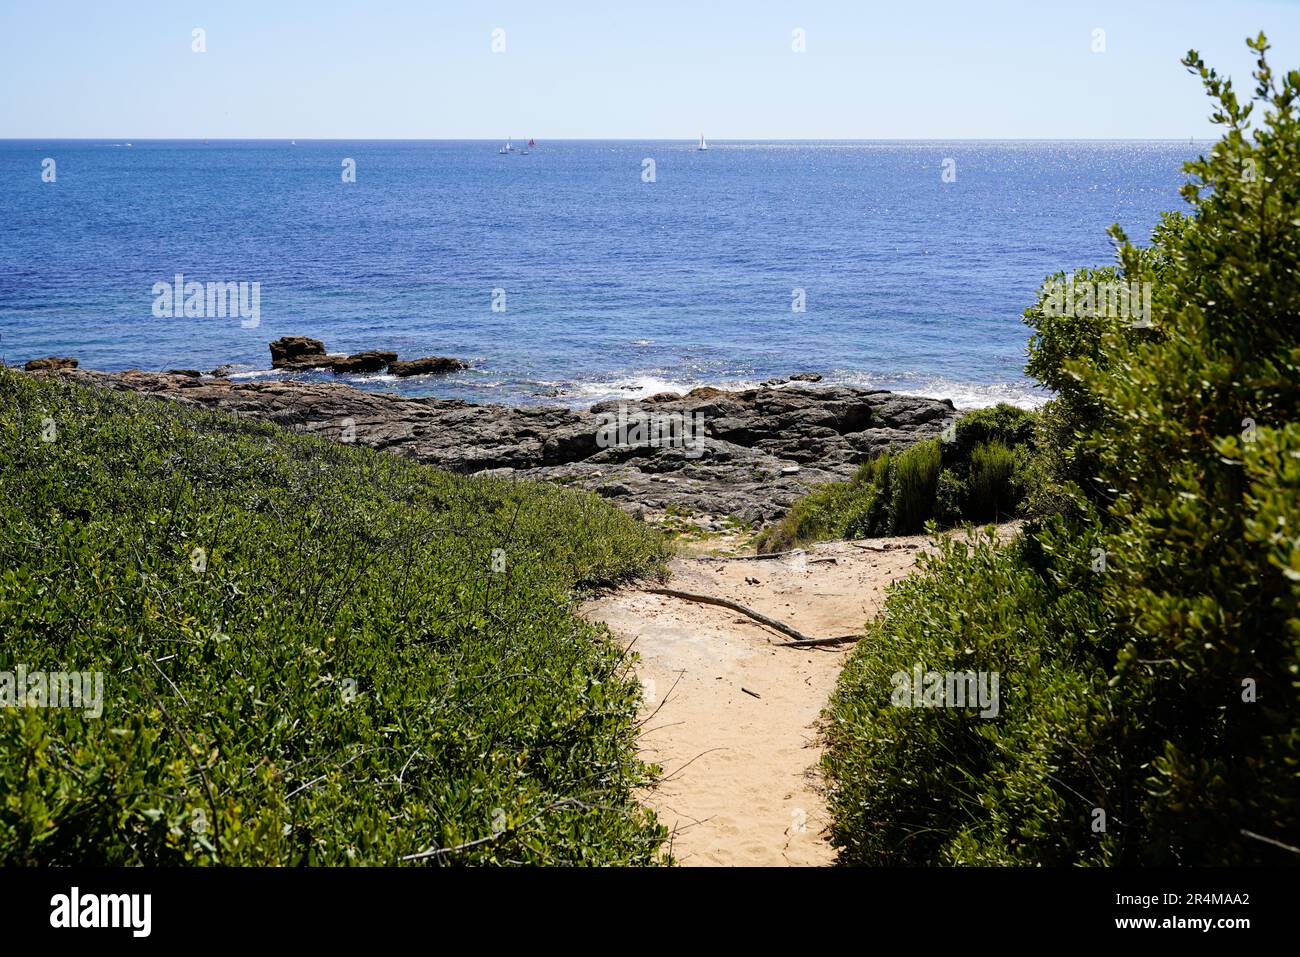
{"x":656,"y":69}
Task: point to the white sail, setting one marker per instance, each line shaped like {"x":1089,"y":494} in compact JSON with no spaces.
{"x":703,"y":145}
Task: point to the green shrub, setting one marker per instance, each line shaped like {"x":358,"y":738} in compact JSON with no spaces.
{"x":913,"y":481}
{"x":1147,"y":626}
{"x":862,"y":512}
{"x":993,"y":490}
{"x":875,"y":471}
{"x":944,"y":785}
{"x":312,"y":653}
{"x":950,"y":498}
{"x":897,"y":492}
{"x":817,"y":515}
{"x":1012,"y":426}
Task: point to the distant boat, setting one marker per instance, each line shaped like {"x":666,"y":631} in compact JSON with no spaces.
{"x":507,"y":149}
{"x":703,"y":145}
{"x":293,"y":142}
{"x":531,"y":142}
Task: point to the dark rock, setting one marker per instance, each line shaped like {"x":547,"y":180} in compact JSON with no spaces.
{"x":705,"y":392}
{"x":429,"y":365}
{"x":307,"y":363}
{"x":806,"y":377}
{"x":744,"y":463}
{"x":293,"y":350}
{"x":370,"y":361}
{"x":223,"y":371}
{"x":50,"y":364}
{"x":192,"y":373}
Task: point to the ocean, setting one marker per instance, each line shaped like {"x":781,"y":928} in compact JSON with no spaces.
{"x":576,"y":272}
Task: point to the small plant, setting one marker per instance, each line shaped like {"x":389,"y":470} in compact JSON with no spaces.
{"x":992,"y":487}
{"x":914,"y":480}
{"x":897,"y":492}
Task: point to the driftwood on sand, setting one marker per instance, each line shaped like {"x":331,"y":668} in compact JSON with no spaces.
{"x":747,"y":558}
{"x":800,"y":639}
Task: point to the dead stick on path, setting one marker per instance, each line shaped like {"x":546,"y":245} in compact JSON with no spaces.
{"x":800,"y":639}
{"x":746,"y":558}
{"x":813,"y":642}
{"x":898,"y":546}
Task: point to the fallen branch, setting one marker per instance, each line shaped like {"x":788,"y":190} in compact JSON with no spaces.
{"x":897,"y":546}
{"x":780,"y":626}
{"x":1268,"y":840}
{"x":813,"y":642}
{"x":747,"y":558}
{"x":800,"y":639}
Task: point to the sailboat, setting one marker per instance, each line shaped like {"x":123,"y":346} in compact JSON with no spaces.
{"x":507,"y":149}
{"x":703,"y":145}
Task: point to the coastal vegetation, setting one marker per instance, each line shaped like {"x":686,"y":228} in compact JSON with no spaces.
{"x":1146,"y":624}
{"x":311,"y":653}
{"x":978,"y":472}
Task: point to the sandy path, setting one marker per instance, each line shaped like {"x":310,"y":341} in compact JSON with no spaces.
{"x":740,"y":784}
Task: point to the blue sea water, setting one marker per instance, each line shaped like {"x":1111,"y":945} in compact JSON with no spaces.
{"x":612,"y":285}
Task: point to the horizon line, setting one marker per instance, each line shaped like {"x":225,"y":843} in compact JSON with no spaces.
{"x":619,"y":139}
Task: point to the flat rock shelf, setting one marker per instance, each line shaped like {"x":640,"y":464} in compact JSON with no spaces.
{"x":760,"y":450}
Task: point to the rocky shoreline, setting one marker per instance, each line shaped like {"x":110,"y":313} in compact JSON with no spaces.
{"x":708,"y":454}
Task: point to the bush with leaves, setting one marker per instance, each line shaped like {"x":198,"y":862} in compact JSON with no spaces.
{"x":1147,"y":626}
{"x":897,"y":492}
{"x":312,"y":653}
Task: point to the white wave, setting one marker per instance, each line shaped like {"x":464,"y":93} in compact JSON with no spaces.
{"x":644,"y":386}
{"x":964,"y":395}
{"x":637,"y":386}
{"x":370,"y":377}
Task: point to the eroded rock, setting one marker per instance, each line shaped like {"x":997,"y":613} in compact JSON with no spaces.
{"x":288,"y":351}
{"x":759,"y":451}
{"x":428,"y":365}
{"x":372,"y":360}
{"x":50,"y":363}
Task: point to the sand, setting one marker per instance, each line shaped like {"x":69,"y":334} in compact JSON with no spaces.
{"x":740,"y":785}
